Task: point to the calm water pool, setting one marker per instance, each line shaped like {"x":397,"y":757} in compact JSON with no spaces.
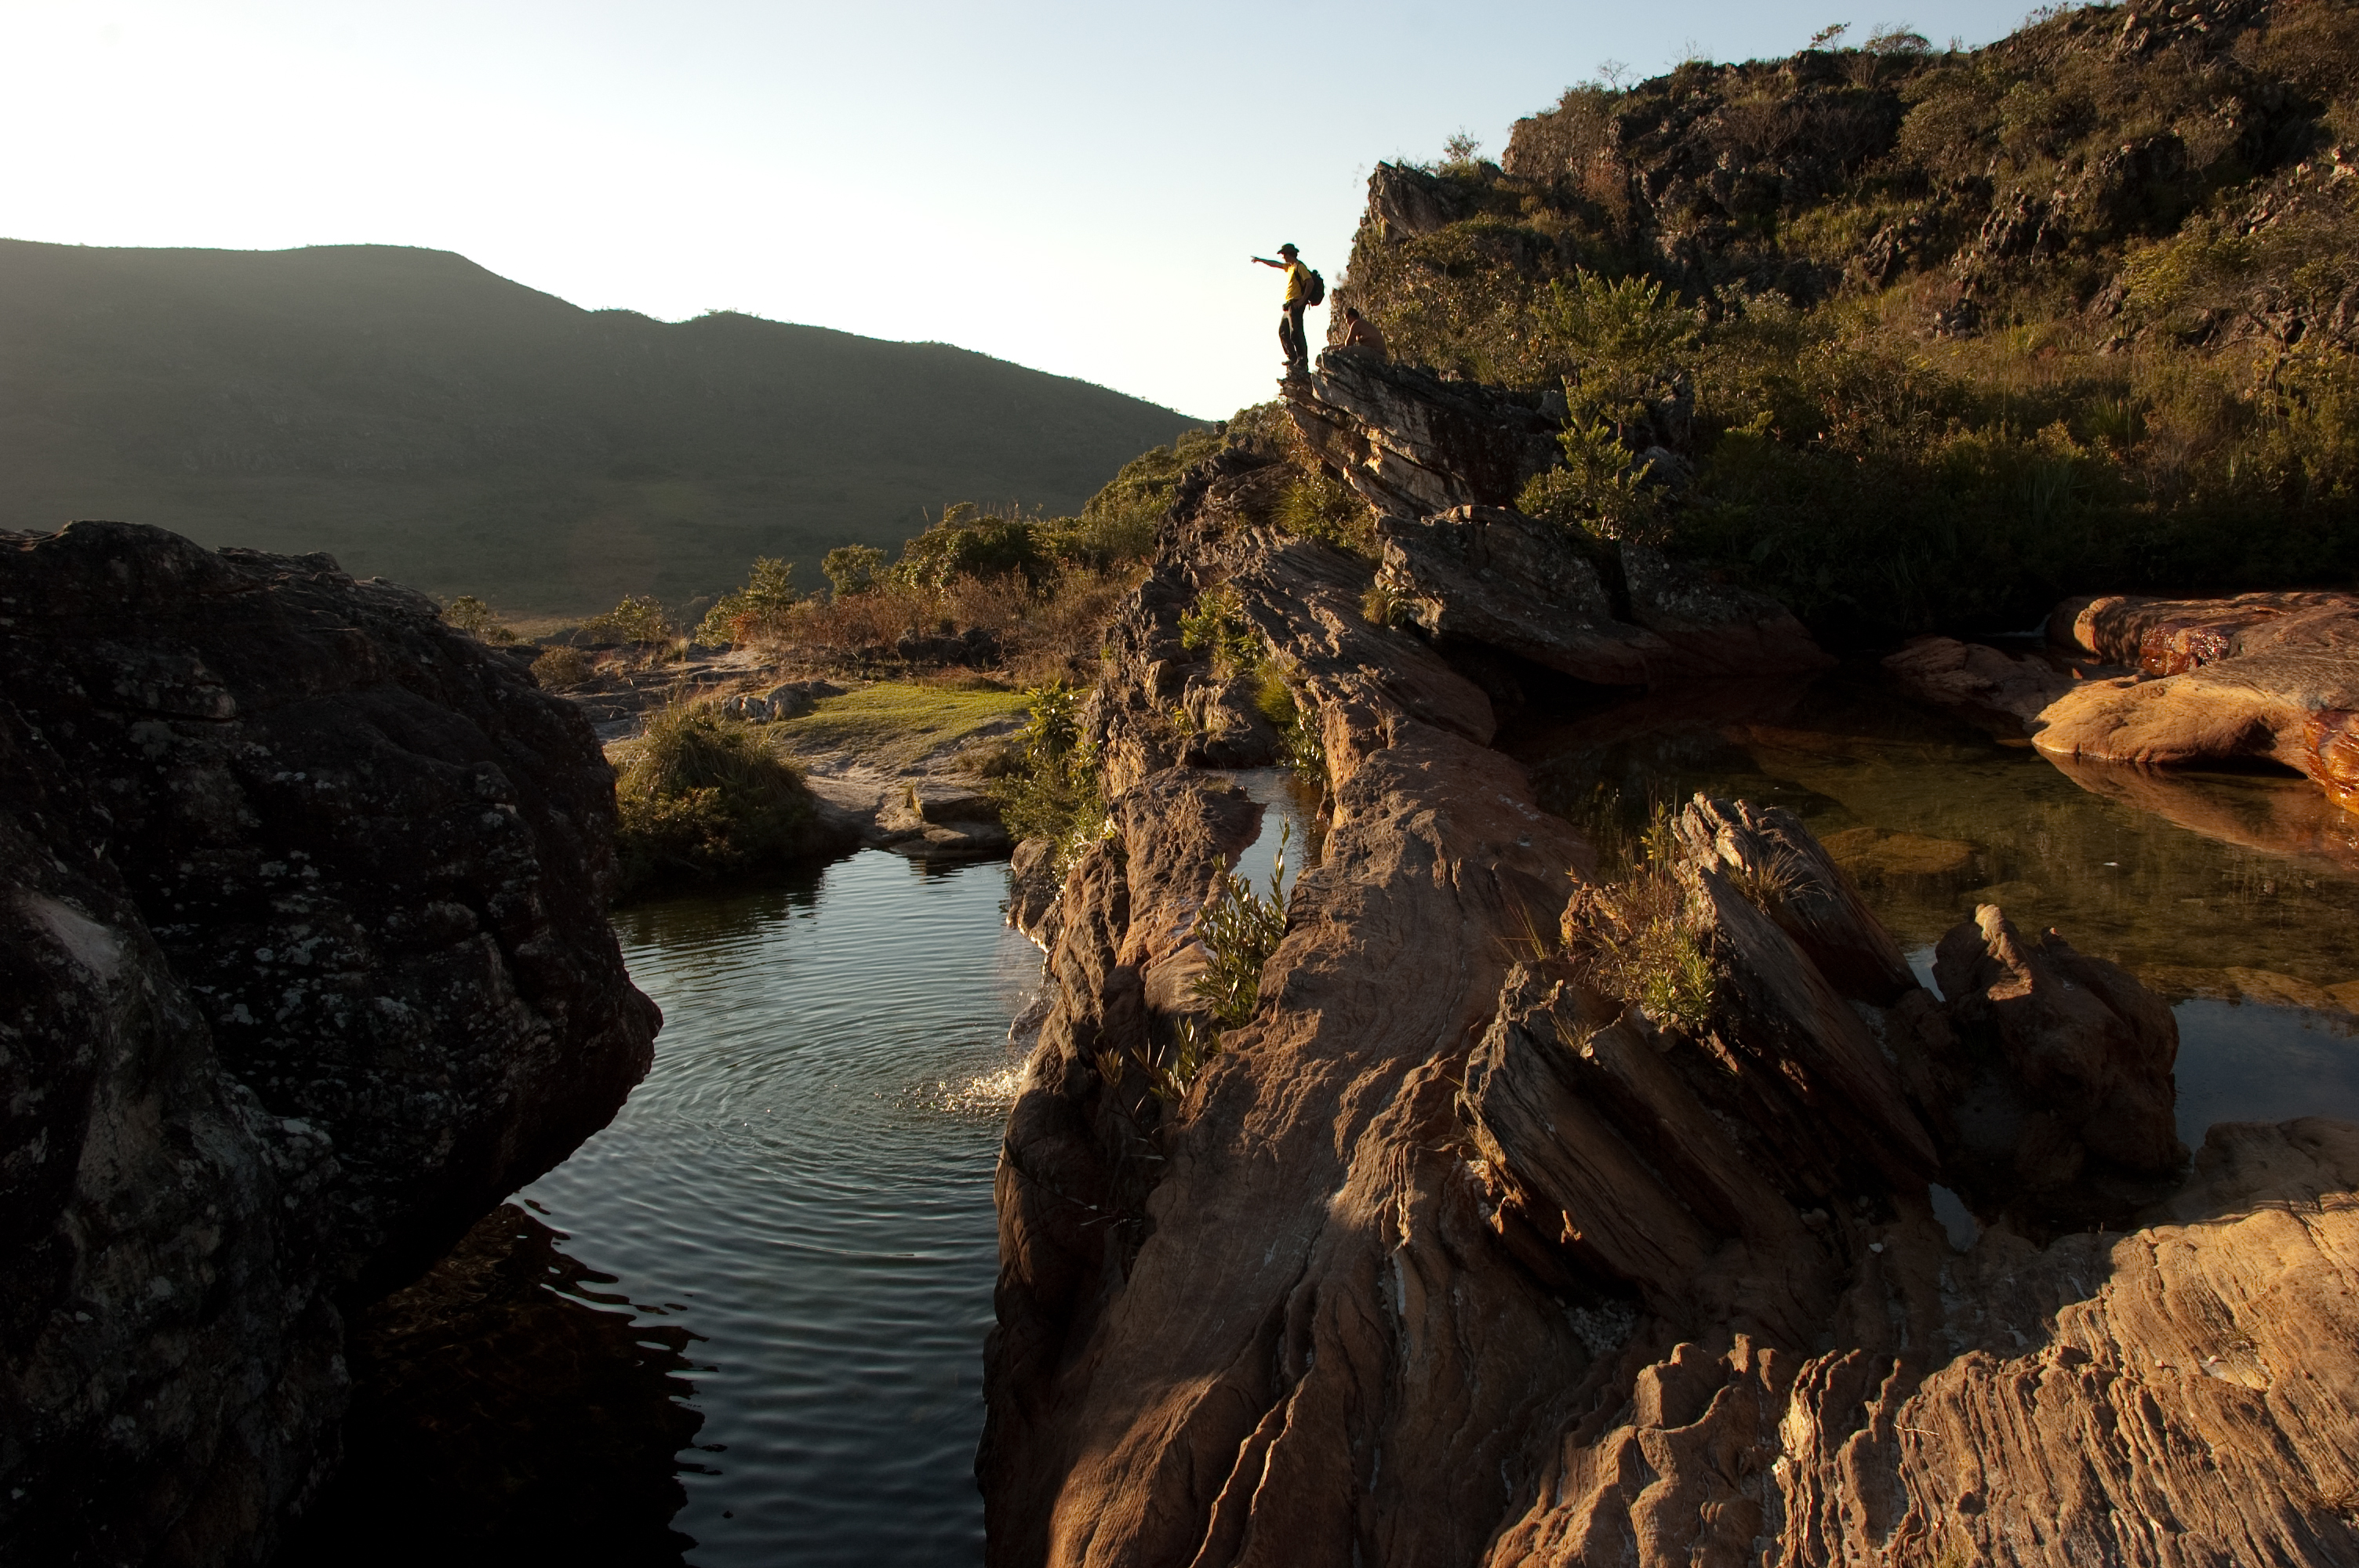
{"x":804,"y":1180}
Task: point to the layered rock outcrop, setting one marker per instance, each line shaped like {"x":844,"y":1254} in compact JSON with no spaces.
{"x":1452,"y":1256}
{"x":1441,"y":463}
{"x":2162,"y":683}
{"x":307,"y":967}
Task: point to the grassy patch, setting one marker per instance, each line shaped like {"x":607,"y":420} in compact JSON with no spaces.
{"x":895,"y":724}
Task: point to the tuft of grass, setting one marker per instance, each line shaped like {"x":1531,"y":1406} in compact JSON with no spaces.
{"x":1215,"y":626}
{"x":895,"y":724}
{"x":1383,"y":605}
{"x":1632,"y":934}
{"x":701,"y":796}
{"x":1240,"y":929}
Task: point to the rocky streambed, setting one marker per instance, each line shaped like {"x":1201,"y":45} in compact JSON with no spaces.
{"x":1450,"y":1256}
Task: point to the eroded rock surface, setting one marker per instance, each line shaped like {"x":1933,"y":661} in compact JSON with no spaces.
{"x":2272,"y":676}
{"x":308,"y":969}
{"x":1448,"y":1257}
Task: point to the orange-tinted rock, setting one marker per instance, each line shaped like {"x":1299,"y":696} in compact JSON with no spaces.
{"x":2266,"y":675}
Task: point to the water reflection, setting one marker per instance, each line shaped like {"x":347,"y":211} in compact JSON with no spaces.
{"x":2236,"y":896}
{"x":807,"y":1172}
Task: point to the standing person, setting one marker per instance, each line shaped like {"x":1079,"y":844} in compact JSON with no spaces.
{"x":1299,"y":290}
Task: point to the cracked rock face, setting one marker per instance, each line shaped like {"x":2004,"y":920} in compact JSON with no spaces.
{"x":307,"y":967}
{"x":1448,"y":1259}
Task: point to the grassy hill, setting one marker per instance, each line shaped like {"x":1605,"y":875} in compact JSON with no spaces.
{"x":1918,"y":338}
{"x":421,"y":418}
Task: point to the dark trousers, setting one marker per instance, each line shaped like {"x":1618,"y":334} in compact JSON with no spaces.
{"x":1290,"y":339}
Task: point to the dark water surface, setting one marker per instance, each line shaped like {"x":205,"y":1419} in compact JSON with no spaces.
{"x":804,"y":1180}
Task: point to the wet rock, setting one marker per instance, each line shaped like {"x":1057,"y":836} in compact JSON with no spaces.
{"x":2060,"y":1073}
{"x":2271,"y":677}
{"x":2003,"y":691}
{"x":310,"y":968}
{"x":1033,"y":884}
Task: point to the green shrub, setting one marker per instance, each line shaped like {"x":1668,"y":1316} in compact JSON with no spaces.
{"x":1633,"y":933}
{"x":701,"y":796}
{"x":1318,"y":505}
{"x":1055,"y":795}
{"x":561,"y":668}
{"x":635,"y":620}
{"x":1240,"y":930}
{"x":853,"y":568}
{"x":1215,"y":626}
{"x":756,"y":612}
{"x":472,"y":616}
{"x":965,"y":542}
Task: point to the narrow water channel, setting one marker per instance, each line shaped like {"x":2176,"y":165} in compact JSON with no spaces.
{"x":804,"y":1181}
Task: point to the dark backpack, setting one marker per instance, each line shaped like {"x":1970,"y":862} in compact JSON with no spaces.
{"x":1315,"y":292}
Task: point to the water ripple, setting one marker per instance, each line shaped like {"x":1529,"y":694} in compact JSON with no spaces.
{"x":804,"y":1180}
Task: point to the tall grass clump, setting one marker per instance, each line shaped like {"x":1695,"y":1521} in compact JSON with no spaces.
{"x":1240,"y":929}
{"x":701,"y":796}
{"x":1633,"y":934}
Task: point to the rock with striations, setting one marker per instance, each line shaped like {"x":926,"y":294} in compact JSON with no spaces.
{"x":1413,"y":444}
{"x":1447,"y":1257}
{"x":2258,"y":676}
{"x":307,"y":967}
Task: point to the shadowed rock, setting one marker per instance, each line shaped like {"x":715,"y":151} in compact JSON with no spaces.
{"x":311,"y":969}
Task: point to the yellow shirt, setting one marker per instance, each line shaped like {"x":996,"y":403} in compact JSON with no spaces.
{"x":1297,"y":282}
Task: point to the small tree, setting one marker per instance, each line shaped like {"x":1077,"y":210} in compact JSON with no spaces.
{"x":853,"y":568}
{"x":471,"y":615}
{"x":755,"y":612}
{"x":635,"y":620}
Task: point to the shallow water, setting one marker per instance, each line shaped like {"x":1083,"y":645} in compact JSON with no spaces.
{"x":804,"y":1180}
{"x":2236,"y":896}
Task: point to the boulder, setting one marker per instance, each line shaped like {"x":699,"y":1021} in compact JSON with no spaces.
{"x":1413,"y":444}
{"x":1714,"y":628}
{"x":2272,"y":676}
{"x":308,"y":969}
{"x":2002,"y":691}
{"x":1404,"y":203}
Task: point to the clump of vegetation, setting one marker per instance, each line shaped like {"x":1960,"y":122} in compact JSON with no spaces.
{"x":1056,"y":794}
{"x":562,"y":668}
{"x":1300,"y":746}
{"x":636,"y":620}
{"x":853,"y":568}
{"x":472,"y":616}
{"x":1318,"y":505}
{"x":1944,"y":336}
{"x":756,"y":612}
{"x":1633,"y":934}
{"x":1216,"y":627}
{"x":701,"y":796}
{"x":1383,"y":605}
{"x":1240,"y":929}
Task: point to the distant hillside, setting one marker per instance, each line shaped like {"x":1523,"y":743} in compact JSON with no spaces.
{"x":418,"y":416}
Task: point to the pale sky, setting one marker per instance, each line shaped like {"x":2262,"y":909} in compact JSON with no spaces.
{"x":1075,"y":188}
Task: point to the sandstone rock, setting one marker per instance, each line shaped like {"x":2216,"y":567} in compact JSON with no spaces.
{"x":2061,"y":1073}
{"x":1405,"y":202}
{"x":1714,"y":628}
{"x":310,"y":967}
{"x":1488,"y":575}
{"x":2005,"y":691}
{"x":1413,"y":444}
{"x":2272,"y":676}
{"x":1448,"y":1258}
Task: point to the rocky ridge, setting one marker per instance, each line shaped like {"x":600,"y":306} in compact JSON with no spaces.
{"x":307,"y":967}
{"x":1448,"y":1257}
